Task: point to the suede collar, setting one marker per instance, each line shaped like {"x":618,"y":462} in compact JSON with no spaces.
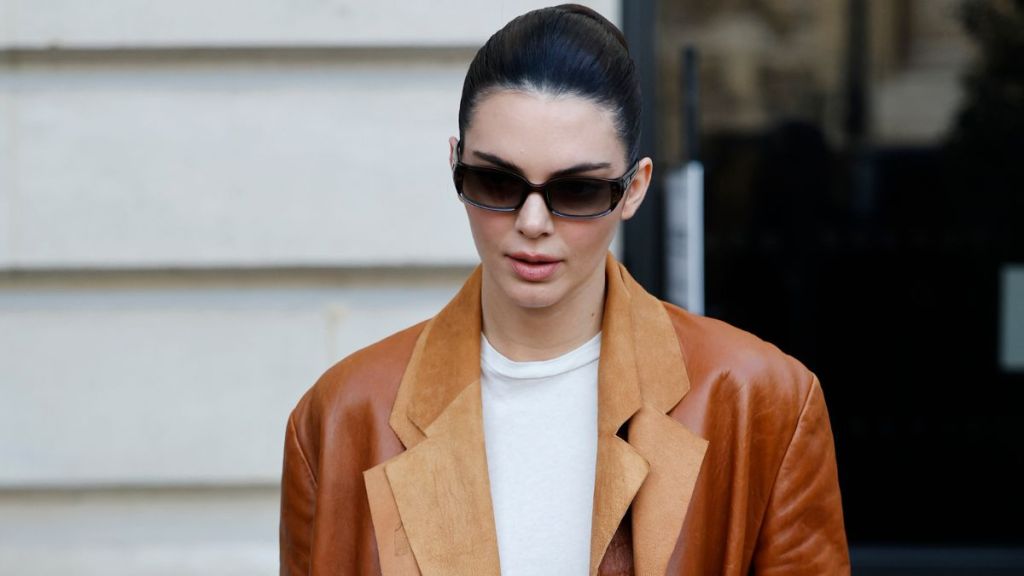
{"x":431,"y":504}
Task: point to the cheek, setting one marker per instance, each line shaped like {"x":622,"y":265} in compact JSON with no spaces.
{"x":589,"y":239}
{"x":487,"y":227}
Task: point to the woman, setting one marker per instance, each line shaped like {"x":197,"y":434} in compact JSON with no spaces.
{"x":554,"y":418}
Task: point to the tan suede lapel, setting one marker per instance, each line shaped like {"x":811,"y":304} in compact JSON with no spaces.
{"x":620,"y":468}
{"x":446,"y":360}
{"x":443,"y":494}
{"x":675,"y":455}
{"x":439,"y":485}
{"x":640,"y":352}
{"x":393,"y":549}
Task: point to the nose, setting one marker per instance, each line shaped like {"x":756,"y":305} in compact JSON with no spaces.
{"x":534,"y":220}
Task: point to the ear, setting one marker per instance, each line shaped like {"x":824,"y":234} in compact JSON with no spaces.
{"x":637,"y":188}
{"x":452,"y":143}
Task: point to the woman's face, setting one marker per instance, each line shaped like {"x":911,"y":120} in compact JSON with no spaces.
{"x":532,"y":258}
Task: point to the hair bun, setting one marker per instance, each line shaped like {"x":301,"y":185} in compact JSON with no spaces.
{"x":566,"y":49}
{"x":596,"y":17}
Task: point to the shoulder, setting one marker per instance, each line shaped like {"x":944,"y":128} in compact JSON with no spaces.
{"x":732,"y":361}
{"x":367,"y":378}
{"x":748,"y":399}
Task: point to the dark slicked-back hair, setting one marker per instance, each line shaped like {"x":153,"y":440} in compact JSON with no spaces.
{"x":560,"y":50}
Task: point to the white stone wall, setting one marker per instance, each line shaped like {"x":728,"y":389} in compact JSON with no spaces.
{"x":203,"y":204}
{"x":216,"y":160}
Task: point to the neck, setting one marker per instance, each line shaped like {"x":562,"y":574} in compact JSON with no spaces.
{"x":528,"y":334}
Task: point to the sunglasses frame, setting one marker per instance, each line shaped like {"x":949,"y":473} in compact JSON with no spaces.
{"x":622,"y":183}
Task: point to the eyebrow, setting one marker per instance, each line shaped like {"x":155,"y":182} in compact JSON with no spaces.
{"x":578,"y":168}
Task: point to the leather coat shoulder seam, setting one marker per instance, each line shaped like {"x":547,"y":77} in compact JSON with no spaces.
{"x":796,"y":428}
{"x":302,"y":453}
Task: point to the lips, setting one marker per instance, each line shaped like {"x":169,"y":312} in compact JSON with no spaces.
{"x":533,"y":267}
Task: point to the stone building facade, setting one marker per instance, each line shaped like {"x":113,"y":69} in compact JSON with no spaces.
{"x":202,"y":206}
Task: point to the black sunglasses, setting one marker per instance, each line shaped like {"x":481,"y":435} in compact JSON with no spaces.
{"x":569,"y":197}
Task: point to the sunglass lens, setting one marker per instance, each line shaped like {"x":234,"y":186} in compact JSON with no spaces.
{"x":580,"y":197}
{"x":492,"y":188}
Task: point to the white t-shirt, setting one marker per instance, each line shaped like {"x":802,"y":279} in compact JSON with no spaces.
{"x":540,"y":430}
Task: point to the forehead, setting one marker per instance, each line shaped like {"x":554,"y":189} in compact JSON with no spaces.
{"x":543,"y":133}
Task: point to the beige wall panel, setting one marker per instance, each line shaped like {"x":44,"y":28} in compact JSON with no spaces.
{"x":165,"y":532}
{"x":7,"y":177}
{"x":165,"y":384}
{"x":169,"y":164}
{"x":131,"y":23}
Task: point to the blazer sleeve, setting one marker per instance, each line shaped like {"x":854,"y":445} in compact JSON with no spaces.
{"x":298,"y":503}
{"x":803,"y":532}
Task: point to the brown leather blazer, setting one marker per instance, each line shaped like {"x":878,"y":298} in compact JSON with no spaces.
{"x":715,"y":454}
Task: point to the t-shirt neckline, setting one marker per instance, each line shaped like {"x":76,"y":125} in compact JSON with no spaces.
{"x":493,"y":361}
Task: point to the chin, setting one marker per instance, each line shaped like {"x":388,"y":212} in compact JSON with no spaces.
{"x":532,"y":295}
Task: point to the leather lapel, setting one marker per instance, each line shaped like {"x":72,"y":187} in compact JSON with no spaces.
{"x":439,"y":486}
